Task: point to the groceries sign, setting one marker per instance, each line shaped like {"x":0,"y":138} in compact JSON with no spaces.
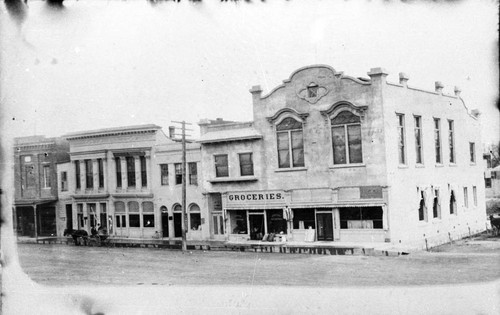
{"x":258,"y":197}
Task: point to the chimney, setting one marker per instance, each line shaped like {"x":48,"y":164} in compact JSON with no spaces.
{"x":377,"y":74}
{"x":457,"y":91}
{"x":439,"y":87}
{"x":171,"y":132}
{"x":403,"y":79}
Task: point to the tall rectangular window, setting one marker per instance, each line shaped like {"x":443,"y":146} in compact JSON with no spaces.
{"x":193,"y":173}
{"x":100,"y":166}
{"x":451,"y":140}
{"x":178,"y":173}
{"x":64,"y":181}
{"x":466,"y":197}
{"x":89,"y":174}
{"x":418,"y":139}
{"x":437,"y":140}
{"x":130,"y":171}
{"x":472,"y":150}
{"x":401,"y":138}
{"x":164,"y":174}
{"x":77,"y":174}
{"x":487,"y":182}
{"x":346,"y":137}
{"x":246,"y":164}
{"x":118,"y":165}
{"x":221,"y":167}
{"x":436,"y":205}
{"x":144,"y":172}
{"x":46,"y":176}
{"x":474,"y":195}
{"x":290,"y":143}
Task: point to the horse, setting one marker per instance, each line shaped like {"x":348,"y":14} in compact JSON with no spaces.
{"x":495,"y":224}
{"x":77,"y":234}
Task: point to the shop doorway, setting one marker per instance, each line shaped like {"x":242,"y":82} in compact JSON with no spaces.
{"x":164,"y":224}
{"x":177,"y":224}
{"x":256,"y":221}
{"x":325,"y":226}
{"x":69,"y":216}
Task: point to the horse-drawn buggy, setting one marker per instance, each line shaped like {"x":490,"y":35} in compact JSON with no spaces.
{"x":81,"y":237}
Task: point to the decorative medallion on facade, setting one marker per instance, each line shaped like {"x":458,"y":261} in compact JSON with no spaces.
{"x":312,"y":93}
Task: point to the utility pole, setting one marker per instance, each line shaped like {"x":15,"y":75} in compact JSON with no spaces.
{"x":184,"y":214}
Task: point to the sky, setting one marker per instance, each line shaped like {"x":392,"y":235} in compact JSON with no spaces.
{"x":100,"y":64}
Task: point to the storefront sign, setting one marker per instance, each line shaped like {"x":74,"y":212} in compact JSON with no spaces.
{"x":371,"y":192}
{"x":260,"y":197}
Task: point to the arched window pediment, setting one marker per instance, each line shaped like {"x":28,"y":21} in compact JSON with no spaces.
{"x":285,"y":113}
{"x":344,"y":106}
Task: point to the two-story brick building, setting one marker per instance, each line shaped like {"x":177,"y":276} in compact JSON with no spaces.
{"x":36,"y":185}
{"x":329,"y":157}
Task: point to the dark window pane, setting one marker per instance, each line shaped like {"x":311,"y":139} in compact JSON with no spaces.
{"x":221,"y":167}
{"x":178,"y":173}
{"x":130,"y":171}
{"x":354,"y":134}
{"x":77,"y":174}
{"x":144,"y":174}
{"x":148,"y":220}
{"x":89,"y":174}
{"x":339,"y":152}
{"x":283,"y":149}
{"x":134,"y":220}
{"x":118,"y":172}
{"x":164,"y":174}
{"x":303,"y":219}
{"x":193,"y":173}
{"x":246,"y":164}
{"x":297,"y":148}
{"x":100,"y":165}
{"x":195,"y":221}
{"x":361,"y":218}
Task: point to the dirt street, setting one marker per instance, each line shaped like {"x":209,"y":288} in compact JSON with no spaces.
{"x":463,"y":262}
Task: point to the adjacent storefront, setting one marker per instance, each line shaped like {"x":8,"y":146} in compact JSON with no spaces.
{"x":348,"y":214}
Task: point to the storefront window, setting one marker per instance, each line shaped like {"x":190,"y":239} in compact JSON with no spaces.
{"x":120,"y":214}
{"x":133,"y":217}
{"x":194,"y":217}
{"x":148,"y":218}
{"x":361,"y":218}
{"x":275,"y":222}
{"x":303,"y":219}
{"x":238,"y":222}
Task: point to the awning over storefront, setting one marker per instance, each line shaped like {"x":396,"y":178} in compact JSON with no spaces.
{"x":21,"y":203}
{"x":232,"y":135}
{"x":347,"y":205}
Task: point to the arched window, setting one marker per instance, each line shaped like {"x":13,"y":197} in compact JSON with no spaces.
{"x":133,"y":214}
{"x":290,"y":143}
{"x":120,"y":215}
{"x":163,"y":209}
{"x":148,"y":216}
{"x":346,"y":138}
{"x":177,"y":208}
{"x":194,"y":217}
